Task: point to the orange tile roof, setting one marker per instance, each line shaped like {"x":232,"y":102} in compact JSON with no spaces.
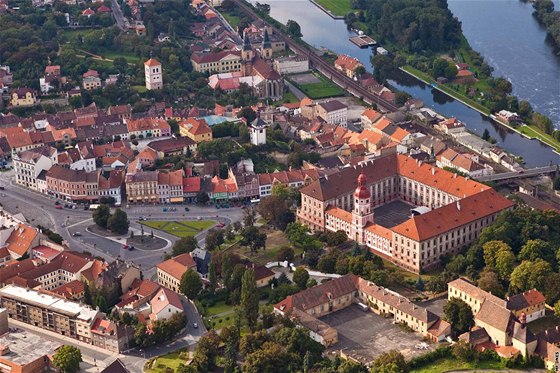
{"x":196,"y":126}
{"x":178,"y":265}
{"x":163,"y":298}
{"x":381,"y":231}
{"x":453,"y":215}
{"x":152,"y":62}
{"x":371,"y":114}
{"x":21,"y":239}
{"x":339,"y":213}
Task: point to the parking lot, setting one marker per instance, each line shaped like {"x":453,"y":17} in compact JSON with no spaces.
{"x":365,"y":335}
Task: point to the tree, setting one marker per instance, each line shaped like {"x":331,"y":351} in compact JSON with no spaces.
{"x":529,"y":275}
{"x":251,"y":237}
{"x":491,"y":248}
{"x":227,"y":268}
{"x":87,"y":294}
{"x":557,"y":308}
{"x":67,"y":359}
{"x":505,"y":262}
{"x":101,"y":215}
{"x":389,"y":362}
{"x":249,"y":298}
{"x":212,"y":278}
{"x":459,"y":315}
{"x":184,"y":245}
{"x":190,"y":284}
{"x":542,"y":122}
{"x":248,"y":113}
{"x":294,"y":28}
{"x":525,"y":108}
{"x":486,"y":135}
{"x":301,"y":276}
{"x":274,"y":209}
{"x":490,"y":282}
{"x":537,"y":249}
{"x":101,"y":303}
{"x":206,"y":352}
{"x":118,"y":222}
{"x":214,"y":238}
{"x":249,"y":216}
{"x":285,"y":253}
{"x":464,"y":352}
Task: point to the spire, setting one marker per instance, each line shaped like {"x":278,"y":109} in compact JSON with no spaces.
{"x":266,"y":40}
{"x":246,"y":42}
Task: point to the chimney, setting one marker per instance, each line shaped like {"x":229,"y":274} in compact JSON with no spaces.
{"x":523,"y":320}
{"x":459,"y":205}
{"x":433,"y":171}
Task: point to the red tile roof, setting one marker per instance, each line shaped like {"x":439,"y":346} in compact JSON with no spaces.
{"x":178,"y":265}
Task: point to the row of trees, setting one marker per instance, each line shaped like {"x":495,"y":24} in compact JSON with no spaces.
{"x":545,"y":13}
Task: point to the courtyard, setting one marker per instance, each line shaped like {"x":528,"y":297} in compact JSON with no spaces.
{"x":392,"y":213}
{"x":364,"y":335}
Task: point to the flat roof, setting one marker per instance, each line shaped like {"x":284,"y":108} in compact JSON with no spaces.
{"x":34,"y":297}
{"x":26,"y":347}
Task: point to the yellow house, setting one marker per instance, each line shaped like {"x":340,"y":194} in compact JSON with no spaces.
{"x":196,"y":129}
{"x":24,"y":97}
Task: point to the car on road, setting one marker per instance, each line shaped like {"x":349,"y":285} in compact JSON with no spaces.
{"x":56,"y":203}
{"x":165,"y":209}
{"x":195,"y":325}
{"x":125,"y":246}
{"x":187,"y":209}
{"x":2,"y":188}
{"x":131,"y":248}
{"x":58,"y":207}
{"x":141,"y":218}
{"x":76,"y":234}
{"x":220,"y":225}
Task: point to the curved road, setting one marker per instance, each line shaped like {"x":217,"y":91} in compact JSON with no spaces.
{"x":40,"y":210}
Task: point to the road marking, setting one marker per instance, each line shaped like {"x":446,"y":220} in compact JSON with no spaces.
{"x":78,"y":223}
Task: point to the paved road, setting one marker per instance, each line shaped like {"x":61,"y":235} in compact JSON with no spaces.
{"x":120,"y":19}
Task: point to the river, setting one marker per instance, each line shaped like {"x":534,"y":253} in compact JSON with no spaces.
{"x":320,"y":30}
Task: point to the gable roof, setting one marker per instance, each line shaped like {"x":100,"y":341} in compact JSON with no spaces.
{"x":524,"y":300}
{"x":163,"y":298}
{"x":21,"y":239}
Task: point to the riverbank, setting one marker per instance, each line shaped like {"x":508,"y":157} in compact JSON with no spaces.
{"x":527,"y":131}
{"x":336,"y":9}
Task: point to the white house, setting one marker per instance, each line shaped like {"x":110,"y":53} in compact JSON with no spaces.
{"x":165,"y":304}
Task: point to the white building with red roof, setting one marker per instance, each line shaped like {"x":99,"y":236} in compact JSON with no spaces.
{"x":153,"y":73}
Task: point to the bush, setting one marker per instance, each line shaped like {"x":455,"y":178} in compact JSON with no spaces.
{"x":430,"y":357}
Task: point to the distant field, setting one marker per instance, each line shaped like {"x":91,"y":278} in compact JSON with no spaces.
{"x":184,"y":228}
{"x":337,"y":7}
{"x":322,"y":89}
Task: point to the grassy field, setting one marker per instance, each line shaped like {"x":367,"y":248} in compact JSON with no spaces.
{"x":274,"y":242}
{"x":217,"y":308}
{"x":233,"y":20}
{"x":323,"y":89}
{"x":449,"y":364}
{"x":184,"y":228}
{"x":536,"y":133}
{"x":111,"y":55}
{"x":337,"y":7}
{"x":171,"y":360}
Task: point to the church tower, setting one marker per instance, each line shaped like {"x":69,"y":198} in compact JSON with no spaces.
{"x":153,"y":74}
{"x":362,"y":214}
{"x":266,"y":49}
{"x":247,"y":54}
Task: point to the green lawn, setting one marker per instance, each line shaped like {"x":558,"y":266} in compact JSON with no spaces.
{"x":111,"y":55}
{"x":233,"y":20}
{"x":323,"y":89}
{"x":171,"y":360}
{"x":536,"y":133}
{"x":219,"y":307}
{"x":447,"y":364}
{"x":184,"y":228}
{"x":337,"y":7}
{"x":140,"y":88}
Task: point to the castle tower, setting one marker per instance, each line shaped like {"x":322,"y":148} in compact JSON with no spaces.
{"x":266,"y":49}
{"x":362,"y":214}
{"x":153,"y":73}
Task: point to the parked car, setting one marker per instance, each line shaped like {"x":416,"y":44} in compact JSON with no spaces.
{"x":2,"y":188}
{"x":165,"y":209}
{"x":125,"y":246}
{"x":187,"y":209}
{"x":76,"y":234}
{"x":131,"y":248}
{"x":56,"y":203}
{"x":220,"y":225}
{"x":195,"y":325}
{"x":141,"y":218}
{"x":58,"y":207}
